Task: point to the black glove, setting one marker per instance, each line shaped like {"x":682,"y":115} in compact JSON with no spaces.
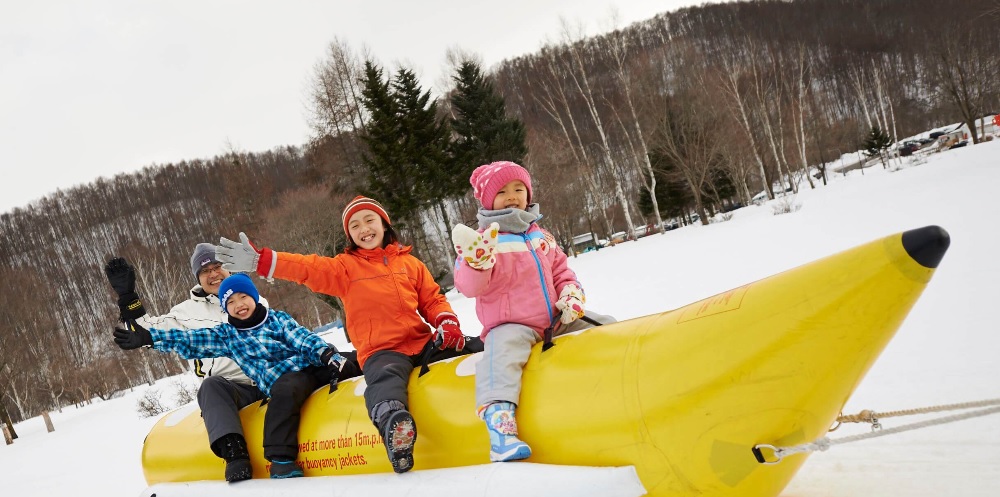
{"x":334,"y":363}
{"x":121,"y":275}
{"x":132,"y":336}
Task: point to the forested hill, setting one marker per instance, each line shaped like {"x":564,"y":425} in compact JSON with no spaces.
{"x":716,"y":103}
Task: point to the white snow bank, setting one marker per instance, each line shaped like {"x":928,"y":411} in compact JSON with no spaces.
{"x":489,"y":480}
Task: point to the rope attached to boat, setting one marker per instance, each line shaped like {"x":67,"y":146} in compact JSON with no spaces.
{"x":868,"y":416}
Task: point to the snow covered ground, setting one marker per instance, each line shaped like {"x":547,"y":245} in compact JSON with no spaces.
{"x":945,"y":352}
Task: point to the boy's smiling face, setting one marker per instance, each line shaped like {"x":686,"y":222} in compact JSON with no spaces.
{"x":366,"y":229}
{"x":240,"y":305}
{"x":512,"y":195}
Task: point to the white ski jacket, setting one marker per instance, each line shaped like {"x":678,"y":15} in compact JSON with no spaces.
{"x":201,"y":310}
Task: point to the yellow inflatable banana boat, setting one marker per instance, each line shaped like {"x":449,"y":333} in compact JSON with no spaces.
{"x":683,"y":396}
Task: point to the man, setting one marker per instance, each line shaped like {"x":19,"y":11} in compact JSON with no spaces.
{"x":225,"y":389}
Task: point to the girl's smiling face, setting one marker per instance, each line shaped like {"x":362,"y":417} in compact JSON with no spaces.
{"x":240,"y":305}
{"x":512,"y":195}
{"x":366,"y":229}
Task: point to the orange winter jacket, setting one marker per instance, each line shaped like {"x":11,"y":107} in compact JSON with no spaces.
{"x":385,"y":294}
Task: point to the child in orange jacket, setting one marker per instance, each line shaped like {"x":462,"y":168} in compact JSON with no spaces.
{"x":389,"y":298}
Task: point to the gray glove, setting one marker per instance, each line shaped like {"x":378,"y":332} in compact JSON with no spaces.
{"x":243,"y":257}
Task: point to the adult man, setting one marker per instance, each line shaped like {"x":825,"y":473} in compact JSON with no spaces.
{"x":225,"y":389}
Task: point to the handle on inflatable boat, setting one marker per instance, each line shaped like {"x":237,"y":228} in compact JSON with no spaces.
{"x":547,"y":334}
{"x":759,"y":455}
{"x":424,"y":367}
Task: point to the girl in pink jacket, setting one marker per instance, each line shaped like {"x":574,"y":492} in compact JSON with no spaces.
{"x":522,"y":285}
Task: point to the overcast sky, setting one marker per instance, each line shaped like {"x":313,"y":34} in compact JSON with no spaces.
{"x":96,"y":88}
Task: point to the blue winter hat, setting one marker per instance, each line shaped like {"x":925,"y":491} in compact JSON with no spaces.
{"x":237,"y":283}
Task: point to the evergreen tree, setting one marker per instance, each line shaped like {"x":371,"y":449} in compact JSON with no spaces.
{"x":672,"y":194}
{"x":406,"y":142}
{"x":876,"y":143}
{"x":385,"y":180}
{"x":484,"y":132}
{"x":425,"y":138}
{"x":721,"y":189}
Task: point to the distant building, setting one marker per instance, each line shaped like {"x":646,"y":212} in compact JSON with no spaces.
{"x":584,"y":242}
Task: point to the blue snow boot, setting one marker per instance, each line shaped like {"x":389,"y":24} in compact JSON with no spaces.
{"x":285,"y":468}
{"x":504,"y":444}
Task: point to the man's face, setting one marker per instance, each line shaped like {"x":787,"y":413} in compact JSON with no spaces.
{"x":211,"y":277}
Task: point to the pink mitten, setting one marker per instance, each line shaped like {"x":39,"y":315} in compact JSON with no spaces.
{"x":478,"y":250}
{"x":570,"y":302}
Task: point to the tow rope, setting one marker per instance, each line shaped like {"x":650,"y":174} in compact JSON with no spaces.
{"x":771,"y":454}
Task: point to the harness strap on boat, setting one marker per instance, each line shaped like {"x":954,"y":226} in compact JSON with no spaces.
{"x":425,"y":359}
{"x":548,"y":332}
{"x":779,"y":453}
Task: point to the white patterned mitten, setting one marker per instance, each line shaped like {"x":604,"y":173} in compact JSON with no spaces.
{"x":570,"y":302}
{"x":478,"y":250}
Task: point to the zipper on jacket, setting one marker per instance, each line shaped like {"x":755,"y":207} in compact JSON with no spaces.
{"x":541,"y":275}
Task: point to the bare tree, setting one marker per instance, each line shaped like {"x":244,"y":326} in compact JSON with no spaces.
{"x":301,"y":223}
{"x":577,"y":72}
{"x":966,"y":74}
{"x":554,"y":100}
{"x":688,"y":138}
{"x":335,"y":92}
{"x":800,"y":105}
{"x":619,"y":52}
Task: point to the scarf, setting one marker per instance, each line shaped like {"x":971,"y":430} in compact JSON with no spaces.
{"x":510,"y":220}
{"x":258,"y":316}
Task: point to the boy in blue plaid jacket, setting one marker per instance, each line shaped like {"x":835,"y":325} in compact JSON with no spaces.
{"x":287,"y":361}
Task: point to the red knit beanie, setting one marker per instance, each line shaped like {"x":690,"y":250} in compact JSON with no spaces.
{"x":361,"y":203}
{"x":488,"y":179}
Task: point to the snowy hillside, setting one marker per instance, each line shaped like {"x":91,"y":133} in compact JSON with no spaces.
{"x":945,"y":352}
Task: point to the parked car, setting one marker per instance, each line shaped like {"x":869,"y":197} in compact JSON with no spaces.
{"x":908,"y":148}
{"x":645,"y":230}
{"x":732,"y":207}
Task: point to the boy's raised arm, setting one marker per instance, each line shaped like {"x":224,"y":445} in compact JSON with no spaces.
{"x":192,"y":344}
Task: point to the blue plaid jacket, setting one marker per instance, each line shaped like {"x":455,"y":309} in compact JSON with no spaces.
{"x":276,"y":346}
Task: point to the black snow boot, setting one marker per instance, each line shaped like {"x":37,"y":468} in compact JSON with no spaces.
{"x":399,"y":433}
{"x":233,"y":448}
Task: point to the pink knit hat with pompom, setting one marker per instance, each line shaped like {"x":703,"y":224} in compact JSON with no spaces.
{"x":488,"y":179}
